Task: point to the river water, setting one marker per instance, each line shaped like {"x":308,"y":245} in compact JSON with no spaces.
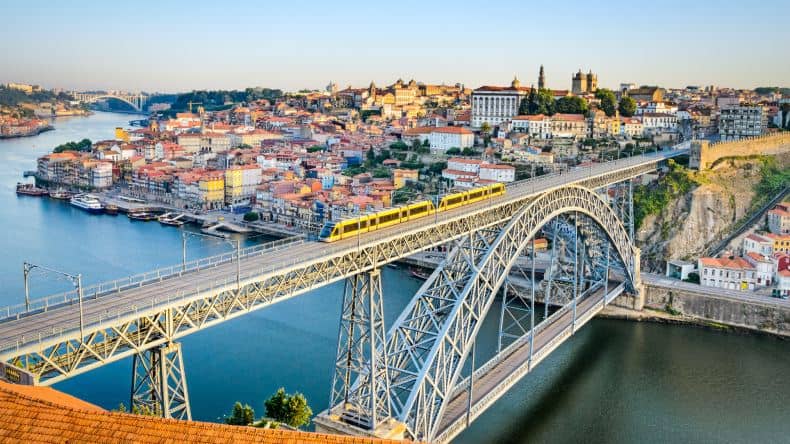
{"x":614,"y":382}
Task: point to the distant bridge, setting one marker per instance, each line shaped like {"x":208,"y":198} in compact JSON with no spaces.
{"x":135,"y":100}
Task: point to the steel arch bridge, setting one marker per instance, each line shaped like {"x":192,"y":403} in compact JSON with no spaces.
{"x":416,"y":367}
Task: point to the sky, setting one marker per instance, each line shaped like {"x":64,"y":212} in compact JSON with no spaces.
{"x":173,"y":46}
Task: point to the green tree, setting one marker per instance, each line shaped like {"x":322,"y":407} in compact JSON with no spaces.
{"x":290,"y":409}
{"x":469,"y":152}
{"x":426,"y":143}
{"x":381,"y":173}
{"x":241,"y":415}
{"x":523,"y":107}
{"x":608,"y":101}
{"x":437,"y":167}
{"x":571,"y":105}
{"x":251,"y":216}
{"x":416,"y":144}
{"x":485,"y":128}
{"x":399,"y":145}
{"x":627,"y":106}
{"x":82,"y":145}
{"x":315,"y":148}
{"x":541,"y":102}
{"x":453,"y":150}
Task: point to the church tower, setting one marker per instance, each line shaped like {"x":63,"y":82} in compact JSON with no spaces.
{"x":541,"y":79}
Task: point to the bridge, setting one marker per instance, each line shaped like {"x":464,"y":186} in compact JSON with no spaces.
{"x":135,"y":100}
{"x":403,"y":381}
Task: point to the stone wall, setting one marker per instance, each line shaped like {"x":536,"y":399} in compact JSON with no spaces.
{"x":704,"y":154}
{"x":765,"y":317}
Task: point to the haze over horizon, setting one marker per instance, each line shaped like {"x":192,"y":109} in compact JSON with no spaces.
{"x":201,"y":45}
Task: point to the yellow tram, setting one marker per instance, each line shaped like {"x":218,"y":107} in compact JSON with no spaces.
{"x":333,"y":231}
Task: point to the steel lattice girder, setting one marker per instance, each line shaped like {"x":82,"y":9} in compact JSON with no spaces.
{"x":427,"y":367}
{"x":359,"y":385}
{"x":159,"y":383}
{"x":56,"y":358}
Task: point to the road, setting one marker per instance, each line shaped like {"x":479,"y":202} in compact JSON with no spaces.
{"x":16,"y":332}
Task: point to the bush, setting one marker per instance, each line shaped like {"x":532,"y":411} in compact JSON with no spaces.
{"x":289,"y":409}
{"x":241,"y":415}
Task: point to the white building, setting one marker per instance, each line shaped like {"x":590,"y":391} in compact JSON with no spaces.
{"x":656,"y":123}
{"x":496,"y":104}
{"x":444,"y":138}
{"x":779,"y":219}
{"x":763,"y":269}
{"x":738,"y":122}
{"x":734,"y":273}
{"x":497,"y":172}
{"x":537,"y":126}
{"x":101,"y":175}
{"x":755,"y":243}
{"x":631,"y":127}
{"x":783,"y":283}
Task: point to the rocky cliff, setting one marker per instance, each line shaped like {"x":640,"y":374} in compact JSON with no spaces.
{"x":691,"y":222}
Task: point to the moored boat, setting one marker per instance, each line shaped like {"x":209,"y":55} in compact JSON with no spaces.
{"x":143,"y":216}
{"x":166,"y":220}
{"x":111,"y":209}
{"x":29,"y":189}
{"x":87,"y":202}
{"x":61,"y":195}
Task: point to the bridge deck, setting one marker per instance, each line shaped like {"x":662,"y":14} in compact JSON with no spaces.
{"x":494,"y":378}
{"x":27,"y":331}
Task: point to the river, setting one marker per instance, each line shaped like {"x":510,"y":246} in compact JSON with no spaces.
{"x":614,"y":382}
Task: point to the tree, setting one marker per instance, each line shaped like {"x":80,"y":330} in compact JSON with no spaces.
{"x":523,"y":107}
{"x":541,"y":102}
{"x":82,"y":145}
{"x":426,"y":143}
{"x":399,"y":145}
{"x":251,"y":216}
{"x":290,"y":409}
{"x":437,"y":167}
{"x":241,"y":415}
{"x":469,"y":152}
{"x":627,"y":106}
{"x":485,"y":128}
{"x":315,"y":148}
{"x":608,"y":101}
{"x":416,"y":144}
{"x":571,"y":105}
{"x":453,"y":150}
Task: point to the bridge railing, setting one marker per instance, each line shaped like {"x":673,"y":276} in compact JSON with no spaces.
{"x":143,"y":279}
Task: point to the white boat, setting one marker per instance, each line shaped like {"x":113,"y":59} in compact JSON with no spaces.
{"x":87,"y":203}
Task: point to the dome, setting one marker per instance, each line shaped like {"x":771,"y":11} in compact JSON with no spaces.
{"x":515,"y":83}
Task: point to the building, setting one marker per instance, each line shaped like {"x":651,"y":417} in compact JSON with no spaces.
{"x":756,"y":243}
{"x":631,"y":127}
{"x":657,"y":123}
{"x":763,"y":268}
{"x":495,"y":105}
{"x":738,"y":122}
{"x":444,"y":138}
{"x":497,"y":172}
{"x":646,"y":94}
{"x":733,"y":273}
{"x":43,"y":414}
{"x":402,"y":177}
{"x":537,"y":126}
{"x":584,"y":83}
{"x":569,"y":126}
{"x":779,"y":219}
{"x":211,"y":190}
{"x":678,"y":269}
{"x":781,"y":242}
{"x":241,"y":182}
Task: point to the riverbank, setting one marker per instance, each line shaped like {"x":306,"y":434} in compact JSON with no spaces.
{"x":664,"y":317}
{"x":35,"y":132}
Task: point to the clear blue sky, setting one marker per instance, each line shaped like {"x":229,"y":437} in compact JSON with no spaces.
{"x":180,"y":45}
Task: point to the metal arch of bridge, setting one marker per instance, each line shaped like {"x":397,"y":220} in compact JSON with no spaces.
{"x":428,"y":344}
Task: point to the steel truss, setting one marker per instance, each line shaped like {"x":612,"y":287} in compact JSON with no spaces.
{"x":159,"y":384}
{"x":359,"y":384}
{"x":428,"y":344}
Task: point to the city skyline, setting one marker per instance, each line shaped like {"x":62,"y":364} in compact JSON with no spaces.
{"x":172,"y":48}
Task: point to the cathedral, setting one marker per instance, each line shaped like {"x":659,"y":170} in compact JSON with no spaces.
{"x":584,"y":83}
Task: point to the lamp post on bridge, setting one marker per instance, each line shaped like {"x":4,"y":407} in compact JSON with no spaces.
{"x":76,"y":280}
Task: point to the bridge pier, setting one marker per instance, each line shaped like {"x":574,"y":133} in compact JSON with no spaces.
{"x":360,"y":396}
{"x":159,"y":383}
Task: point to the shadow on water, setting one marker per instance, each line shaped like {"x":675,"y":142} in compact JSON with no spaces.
{"x":588,"y":350}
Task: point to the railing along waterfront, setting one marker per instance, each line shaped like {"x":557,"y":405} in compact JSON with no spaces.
{"x":327,"y":250}
{"x":142,"y":279}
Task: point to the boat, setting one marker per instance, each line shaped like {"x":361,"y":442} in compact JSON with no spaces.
{"x":418,"y":273}
{"x":143,"y":216}
{"x":29,"y":189}
{"x":165,"y":219}
{"x":87,"y":202}
{"x":111,"y":209}
{"x":61,"y":195}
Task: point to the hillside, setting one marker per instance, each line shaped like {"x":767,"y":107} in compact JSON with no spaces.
{"x":688,"y":211}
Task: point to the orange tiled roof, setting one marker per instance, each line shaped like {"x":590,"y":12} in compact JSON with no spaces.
{"x":42,"y":414}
